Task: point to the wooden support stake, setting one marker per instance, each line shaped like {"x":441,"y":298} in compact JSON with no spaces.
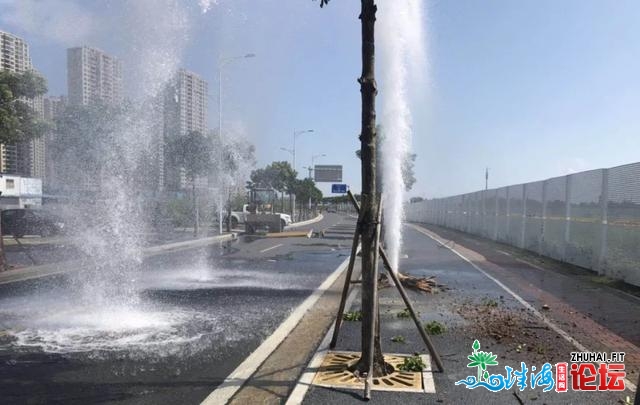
{"x":405,"y":298}
{"x":374,"y":310}
{"x":414,"y":316}
{"x":347,"y":284}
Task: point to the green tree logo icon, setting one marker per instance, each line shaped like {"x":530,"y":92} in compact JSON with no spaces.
{"x":481,"y":360}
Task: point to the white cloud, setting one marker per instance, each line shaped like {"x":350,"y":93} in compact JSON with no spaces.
{"x":205,"y":5}
{"x":61,"y":21}
{"x":572,"y":165}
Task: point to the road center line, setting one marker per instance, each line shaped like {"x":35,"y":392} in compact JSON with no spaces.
{"x":272,"y":247}
{"x":241,"y":374}
{"x":629,"y":385}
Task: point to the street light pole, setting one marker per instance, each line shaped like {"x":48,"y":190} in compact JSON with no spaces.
{"x":295,"y":135}
{"x":313,"y":159}
{"x":221,"y":63}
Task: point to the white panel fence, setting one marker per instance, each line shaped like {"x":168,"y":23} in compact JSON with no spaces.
{"x":590,"y":219}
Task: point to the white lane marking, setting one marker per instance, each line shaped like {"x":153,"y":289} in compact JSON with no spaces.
{"x":272,"y":247}
{"x":503,"y":252}
{"x":628,"y":384}
{"x":241,"y":374}
{"x":427,"y":375}
{"x":301,"y":388}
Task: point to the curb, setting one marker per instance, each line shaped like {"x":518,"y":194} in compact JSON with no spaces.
{"x":307,"y":222}
{"x":223,"y":393}
{"x":45,"y":270}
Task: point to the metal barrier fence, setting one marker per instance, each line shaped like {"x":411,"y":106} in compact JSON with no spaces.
{"x":590,"y":219}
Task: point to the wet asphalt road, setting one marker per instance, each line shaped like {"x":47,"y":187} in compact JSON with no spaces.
{"x":197,"y":315}
{"x":470,"y":307}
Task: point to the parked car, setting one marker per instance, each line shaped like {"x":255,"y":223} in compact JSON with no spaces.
{"x":20,"y":221}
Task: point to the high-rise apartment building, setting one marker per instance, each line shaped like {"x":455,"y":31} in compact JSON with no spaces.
{"x":93,"y":77}
{"x":185,"y":110}
{"x":25,"y":158}
{"x":15,"y":53}
{"x":53,"y":107}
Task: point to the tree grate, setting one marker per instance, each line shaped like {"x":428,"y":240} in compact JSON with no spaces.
{"x":334,"y":373}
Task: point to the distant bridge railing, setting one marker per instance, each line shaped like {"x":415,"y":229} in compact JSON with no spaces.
{"x":590,"y":219}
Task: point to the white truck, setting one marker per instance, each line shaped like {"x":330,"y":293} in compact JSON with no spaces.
{"x":240,"y":217}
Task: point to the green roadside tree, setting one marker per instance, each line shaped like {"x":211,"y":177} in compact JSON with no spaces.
{"x":278,"y":175}
{"x":83,"y":137}
{"x":408,"y":164}
{"x":193,"y":153}
{"x":307,"y":193}
{"x":234,"y":158}
{"x":18,"y":121}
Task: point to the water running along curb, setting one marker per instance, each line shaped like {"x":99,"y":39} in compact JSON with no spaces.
{"x":236,"y":380}
{"x":45,"y":270}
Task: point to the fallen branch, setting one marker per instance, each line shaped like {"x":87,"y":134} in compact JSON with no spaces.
{"x":423,"y":284}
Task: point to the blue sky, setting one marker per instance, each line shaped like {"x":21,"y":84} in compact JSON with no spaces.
{"x":531,"y":89}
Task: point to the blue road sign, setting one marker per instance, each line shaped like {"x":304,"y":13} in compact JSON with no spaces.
{"x":338,"y":188}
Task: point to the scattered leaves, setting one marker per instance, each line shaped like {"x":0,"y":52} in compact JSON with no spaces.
{"x":352,"y":316}
{"x":489,"y":302}
{"x":413,"y":363}
{"x":434,"y":328}
{"x":398,"y":339}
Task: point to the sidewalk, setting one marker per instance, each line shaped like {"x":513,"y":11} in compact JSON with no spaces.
{"x":473,"y":306}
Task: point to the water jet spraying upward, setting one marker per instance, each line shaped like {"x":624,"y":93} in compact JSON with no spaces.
{"x":403,"y":58}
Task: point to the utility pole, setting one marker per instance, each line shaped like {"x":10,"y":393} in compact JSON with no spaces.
{"x":486,"y":179}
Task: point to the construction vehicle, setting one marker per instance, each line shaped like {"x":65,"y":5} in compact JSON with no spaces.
{"x":260,"y":216}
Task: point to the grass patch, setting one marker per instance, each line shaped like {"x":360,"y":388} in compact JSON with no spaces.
{"x":398,"y":339}
{"x":352,"y":316}
{"x":434,"y":328}
{"x":413,"y":363}
{"x":489,"y":302}
{"x":404,"y":313}
{"x":602,"y":280}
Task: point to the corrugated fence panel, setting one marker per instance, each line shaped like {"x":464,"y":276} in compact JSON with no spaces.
{"x":623,"y":218}
{"x":514,"y":233}
{"x":585,"y":228}
{"x":501,"y":218}
{"x":533,"y":220}
{"x":555,"y":221}
{"x":490,"y":214}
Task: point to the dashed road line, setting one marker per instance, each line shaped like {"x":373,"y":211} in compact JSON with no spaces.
{"x":272,"y":247}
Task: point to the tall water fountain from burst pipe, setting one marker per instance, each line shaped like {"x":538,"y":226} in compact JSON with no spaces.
{"x":403,"y":51}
